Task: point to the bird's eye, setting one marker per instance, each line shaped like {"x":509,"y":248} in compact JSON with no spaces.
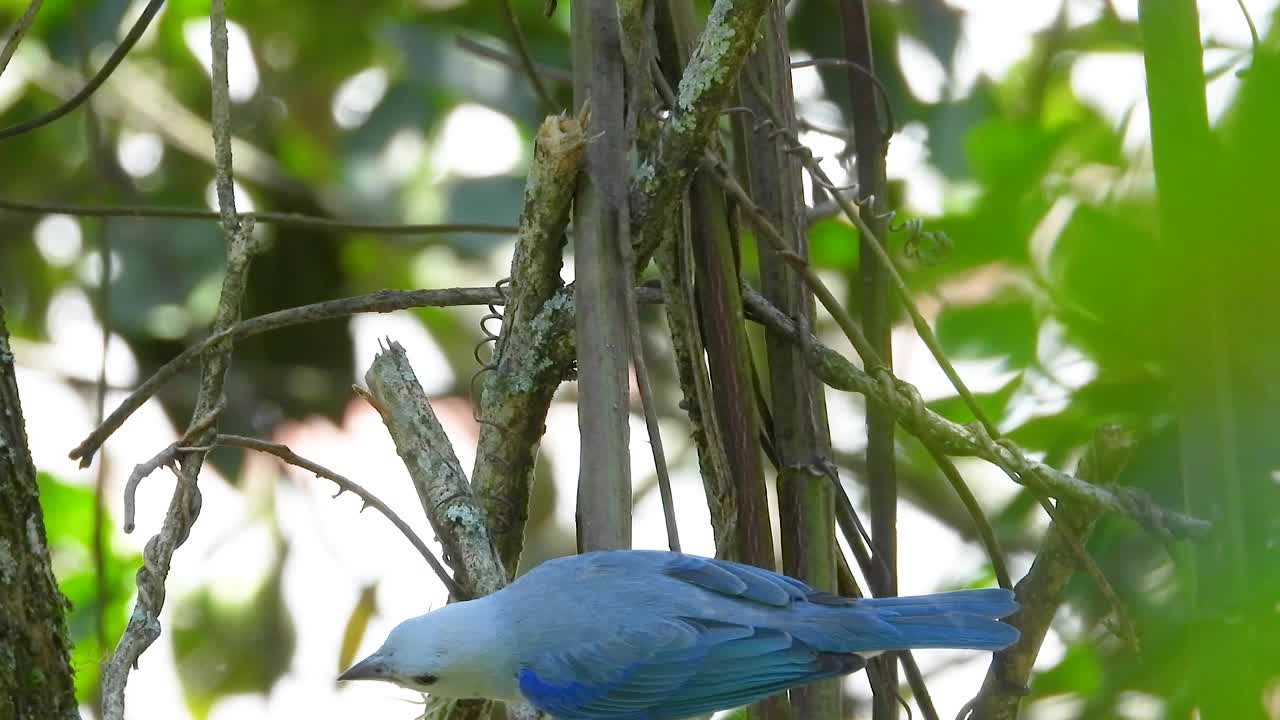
{"x":424,"y":679}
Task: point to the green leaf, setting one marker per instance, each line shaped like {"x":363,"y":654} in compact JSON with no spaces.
{"x":833,"y":244}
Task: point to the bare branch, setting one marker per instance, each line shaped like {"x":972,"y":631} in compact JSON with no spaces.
{"x":20,"y":29}
{"x":167,"y":457}
{"x":971,"y":440}
{"x":1040,"y":591}
{"x":674,"y":267}
{"x":265,"y":217}
{"x":661,"y":179}
{"x":526,"y":59}
{"x":135,"y":32}
{"x":380,"y":301}
{"x":144,"y":624}
{"x":530,"y":358}
{"x":283,"y":452}
{"x":442,"y":486}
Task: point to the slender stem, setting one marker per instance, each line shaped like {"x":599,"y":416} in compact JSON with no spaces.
{"x":117,"y":55}
{"x":475,"y":47}
{"x":983,"y":526}
{"x":144,"y":624}
{"x":20,"y":29}
{"x":650,"y":404}
{"x":800,"y":436}
{"x":283,"y":452}
{"x":526,"y":59}
{"x":381,"y":301}
{"x":267,"y":217}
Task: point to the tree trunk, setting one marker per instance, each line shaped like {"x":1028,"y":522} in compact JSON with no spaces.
{"x":36,"y":681}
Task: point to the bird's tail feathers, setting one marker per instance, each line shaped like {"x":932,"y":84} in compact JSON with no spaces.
{"x":959,"y":631}
{"x":965,"y":619}
{"x":989,"y":602}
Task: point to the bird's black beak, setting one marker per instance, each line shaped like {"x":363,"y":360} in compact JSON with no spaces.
{"x":370,"y":668}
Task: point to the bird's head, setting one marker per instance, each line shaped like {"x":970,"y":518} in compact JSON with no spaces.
{"x":446,"y":652}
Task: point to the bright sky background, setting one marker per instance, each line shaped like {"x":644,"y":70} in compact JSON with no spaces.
{"x":335,"y":549}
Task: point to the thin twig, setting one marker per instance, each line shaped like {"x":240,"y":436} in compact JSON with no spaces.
{"x":117,"y":55}
{"x":861,"y":70}
{"x":165,"y":458}
{"x":380,"y":302}
{"x":649,"y":402}
{"x":969,"y":440}
{"x":526,"y":59}
{"x":980,"y":521}
{"x":875,"y":204}
{"x":20,"y":29}
{"x":633,"y":52}
{"x":650,"y":405}
{"x":287,"y":455}
{"x":266,"y":217}
{"x":144,"y":624}
{"x":475,"y":47}
{"x":915,"y":679}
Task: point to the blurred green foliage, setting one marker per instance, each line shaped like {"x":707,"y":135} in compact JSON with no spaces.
{"x":1056,"y":255}
{"x":69,"y":527}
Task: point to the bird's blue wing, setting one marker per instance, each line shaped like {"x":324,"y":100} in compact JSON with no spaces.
{"x":737,"y":580}
{"x":674,"y":670}
{"x":621,"y":677}
{"x":750,"y":668}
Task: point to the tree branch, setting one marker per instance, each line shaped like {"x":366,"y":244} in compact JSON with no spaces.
{"x":675,"y":29}
{"x":264,"y":217}
{"x":36,"y":679}
{"x":144,"y":625}
{"x":1040,"y":591}
{"x":381,"y":301}
{"x":442,"y":486}
{"x":972,"y":441}
{"x":529,"y":362}
{"x":117,"y":55}
{"x":660,"y":181}
{"x":834,"y":370}
{"x":368,"y":499}
{"x":601,"y":220}
{"x":20,"y":29}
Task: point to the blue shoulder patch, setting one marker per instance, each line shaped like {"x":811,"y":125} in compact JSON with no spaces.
{"x":571,"y":701}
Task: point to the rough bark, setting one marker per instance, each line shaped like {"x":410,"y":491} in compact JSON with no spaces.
{"x":529,"y":362}
{"x":36,"y":681}
{"x":601,"y":222}
{"x":801,"y":438}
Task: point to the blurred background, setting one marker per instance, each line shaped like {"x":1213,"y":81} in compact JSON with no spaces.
{"x":1022,"y":132}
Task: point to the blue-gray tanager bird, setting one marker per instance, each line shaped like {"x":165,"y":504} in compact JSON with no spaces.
{"x":649,"y":635}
